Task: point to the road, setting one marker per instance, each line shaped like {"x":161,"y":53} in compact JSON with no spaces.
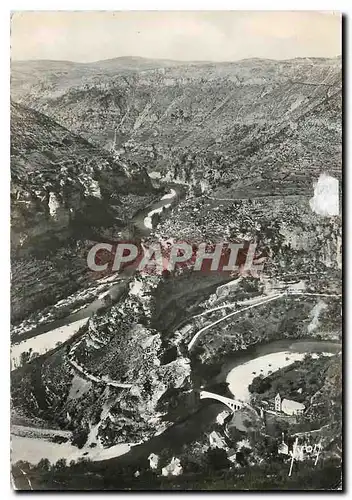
{"x":258,"y":303}
{"x":94,"y":378}
{"x":197,"y":335}
{"x":230,"y":305}
{"x":20,"y":479}
{"x":116,"y":292}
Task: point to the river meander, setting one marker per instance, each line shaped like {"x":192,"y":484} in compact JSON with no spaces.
{"x":237,"y":370}
{"x":45,"y":337}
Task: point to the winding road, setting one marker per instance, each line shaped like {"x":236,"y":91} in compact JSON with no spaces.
{"x":197,"y":335}
{"x":94,"y":378}
{"x":22,"y":476}
{"x":258,"y":303}
{"x":38,"y":336}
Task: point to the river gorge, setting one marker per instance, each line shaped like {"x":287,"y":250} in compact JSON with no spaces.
{"x":238,"y":370}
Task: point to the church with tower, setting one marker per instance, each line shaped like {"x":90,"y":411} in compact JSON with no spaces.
{"x":288,"y":406}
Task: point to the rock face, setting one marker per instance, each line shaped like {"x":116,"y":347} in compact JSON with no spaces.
{"x":131,"y":387}
{"x":60,"y":182}
{"x":255,"y":124}
{"x":117,"y":414}
{"x":63,"y":192}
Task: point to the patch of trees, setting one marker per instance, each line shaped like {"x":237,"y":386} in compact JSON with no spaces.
{"x":79,"y":437}
{"x":27,"y":356}
{"x":306,"y":376}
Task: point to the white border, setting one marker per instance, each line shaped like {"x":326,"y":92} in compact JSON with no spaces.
{"x":322,"y":5}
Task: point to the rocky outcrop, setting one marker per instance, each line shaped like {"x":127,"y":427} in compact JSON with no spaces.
{"x":61,"y":184}
{"x":132,"y":387}
{"x":64,"y":191}
{"x":255,"y":125}
{"x":249,"y":146}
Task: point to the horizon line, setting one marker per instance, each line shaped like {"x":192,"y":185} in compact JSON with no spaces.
{"x":182,"y":61}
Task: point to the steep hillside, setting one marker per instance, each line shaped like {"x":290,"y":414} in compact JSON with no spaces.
{"x":59,"y":180}
{"x":248,"y":140}
{"x":246,"y":122}
{"x":63,"y":191}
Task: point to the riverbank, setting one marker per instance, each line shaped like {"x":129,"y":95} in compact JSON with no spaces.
{"x":148,"y":220}
{"x":44,"y":343}
{"x":45,"y":337}
{"x":34,"y":449}
{"x":191,"y":428}
{"x":239,"y":367}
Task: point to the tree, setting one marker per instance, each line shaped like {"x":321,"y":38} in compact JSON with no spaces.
{"x":241,"y":459}
{"x":79,"y":437}
{"x":44,"y":465}
{"x":60,"y":464}
{"x":217,"y":459}
{"x":280,"y":426}
{"x":24,"y":358}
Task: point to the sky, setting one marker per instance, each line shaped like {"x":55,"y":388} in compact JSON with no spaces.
{"x":86,"y":36}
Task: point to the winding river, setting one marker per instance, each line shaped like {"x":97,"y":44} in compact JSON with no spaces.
{"x":196,"y":423}
{"x":268,"y":358}
{"x":239,"y":369}
{"x":45,"y":337}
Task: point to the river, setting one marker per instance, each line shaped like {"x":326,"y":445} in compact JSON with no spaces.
{"x":268,"y":358}
{"x":45,"y":337}
{"x":193,"y":427}
{"x":237,"y":370}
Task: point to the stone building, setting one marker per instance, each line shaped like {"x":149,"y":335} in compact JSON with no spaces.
{"x":288,"y":406}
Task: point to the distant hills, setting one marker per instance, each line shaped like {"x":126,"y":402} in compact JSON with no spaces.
{"x":233,"y":130}
{"x":221,"y":121}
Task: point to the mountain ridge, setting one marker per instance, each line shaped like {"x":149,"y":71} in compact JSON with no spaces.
{"x":185,"y":118}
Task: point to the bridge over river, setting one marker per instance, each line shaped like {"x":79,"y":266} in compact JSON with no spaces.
{"x":233,"y":404}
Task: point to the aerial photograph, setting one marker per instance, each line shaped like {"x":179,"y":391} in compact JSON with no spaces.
{"x":176,"y":250}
